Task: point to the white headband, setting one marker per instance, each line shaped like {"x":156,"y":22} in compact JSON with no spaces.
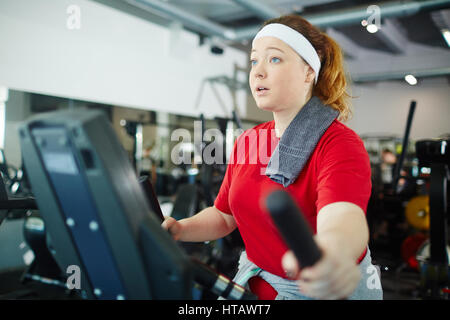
{"x":295,"y":40}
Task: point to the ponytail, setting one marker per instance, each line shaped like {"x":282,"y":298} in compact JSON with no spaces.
{"x":331,"y":86}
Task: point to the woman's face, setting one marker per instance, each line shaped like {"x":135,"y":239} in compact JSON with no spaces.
{"x":285,"y":78}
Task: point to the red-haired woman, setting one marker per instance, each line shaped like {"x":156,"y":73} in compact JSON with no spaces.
{"x":297,"y":74}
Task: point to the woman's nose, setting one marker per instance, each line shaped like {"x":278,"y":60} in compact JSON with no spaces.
{"x":260,"y":72}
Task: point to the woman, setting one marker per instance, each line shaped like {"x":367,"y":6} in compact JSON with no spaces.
{"x":297,"y":74}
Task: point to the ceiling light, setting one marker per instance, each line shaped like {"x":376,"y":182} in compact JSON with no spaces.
{"x":372,"y":28}
{"x":411,"y":79}
{"x":364,"y":23}
{"x":446,"y":35}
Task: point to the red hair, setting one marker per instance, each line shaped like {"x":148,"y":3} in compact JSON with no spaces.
{"x":331,"y":86}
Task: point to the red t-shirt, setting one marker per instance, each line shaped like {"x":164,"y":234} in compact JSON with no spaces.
{"x":337,"y":170}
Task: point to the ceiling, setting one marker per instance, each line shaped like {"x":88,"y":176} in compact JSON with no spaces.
{"x":409,"y":39}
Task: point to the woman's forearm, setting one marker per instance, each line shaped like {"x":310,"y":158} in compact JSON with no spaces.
{"x":207,"y":225}
{"x":342,"y":227}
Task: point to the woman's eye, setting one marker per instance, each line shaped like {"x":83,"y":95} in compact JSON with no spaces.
{"x":253,"y":62}
{"x":275,"y":60}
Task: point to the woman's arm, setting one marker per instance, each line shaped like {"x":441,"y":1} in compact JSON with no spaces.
{"x":342,"y":235}
{"x":342,"y":227}
{"x":207,"y":225}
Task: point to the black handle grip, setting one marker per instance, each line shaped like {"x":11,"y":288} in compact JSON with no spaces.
{"x":293,"y":227}
{"x":150,"y":194}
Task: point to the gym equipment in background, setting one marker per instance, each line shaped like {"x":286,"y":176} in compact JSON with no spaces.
{"x":417,"y":212}
{"x":14,"y":179}
{"x":399,"y":164}
{"x":14,"y":207}
{"x":410,"y":247}
{"x":423,"y":254}
{"x":435,"y":272}
{"x":42,"y":268}
{"x":7,"y":171}
{"x":391,"y":190}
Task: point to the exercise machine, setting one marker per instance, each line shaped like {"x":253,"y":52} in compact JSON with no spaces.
{"x":435,"y":271}
{"x":98,"y":218}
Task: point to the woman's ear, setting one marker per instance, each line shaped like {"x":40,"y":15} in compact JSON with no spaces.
{"x":310,"y":75}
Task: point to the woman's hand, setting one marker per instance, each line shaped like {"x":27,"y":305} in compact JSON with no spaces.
{"x":207,"y":225}
{"x":334,"y":276}
{"x":173,"y":226}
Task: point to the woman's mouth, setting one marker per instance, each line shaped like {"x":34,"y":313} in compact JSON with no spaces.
{"x":261,"y":91}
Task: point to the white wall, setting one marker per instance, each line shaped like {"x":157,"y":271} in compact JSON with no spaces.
{"x":17,"y":110}
{"x":383,"y":108}
{"x":114,"y":58}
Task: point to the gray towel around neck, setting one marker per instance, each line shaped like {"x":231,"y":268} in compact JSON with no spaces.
{"x":299,"y":141}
